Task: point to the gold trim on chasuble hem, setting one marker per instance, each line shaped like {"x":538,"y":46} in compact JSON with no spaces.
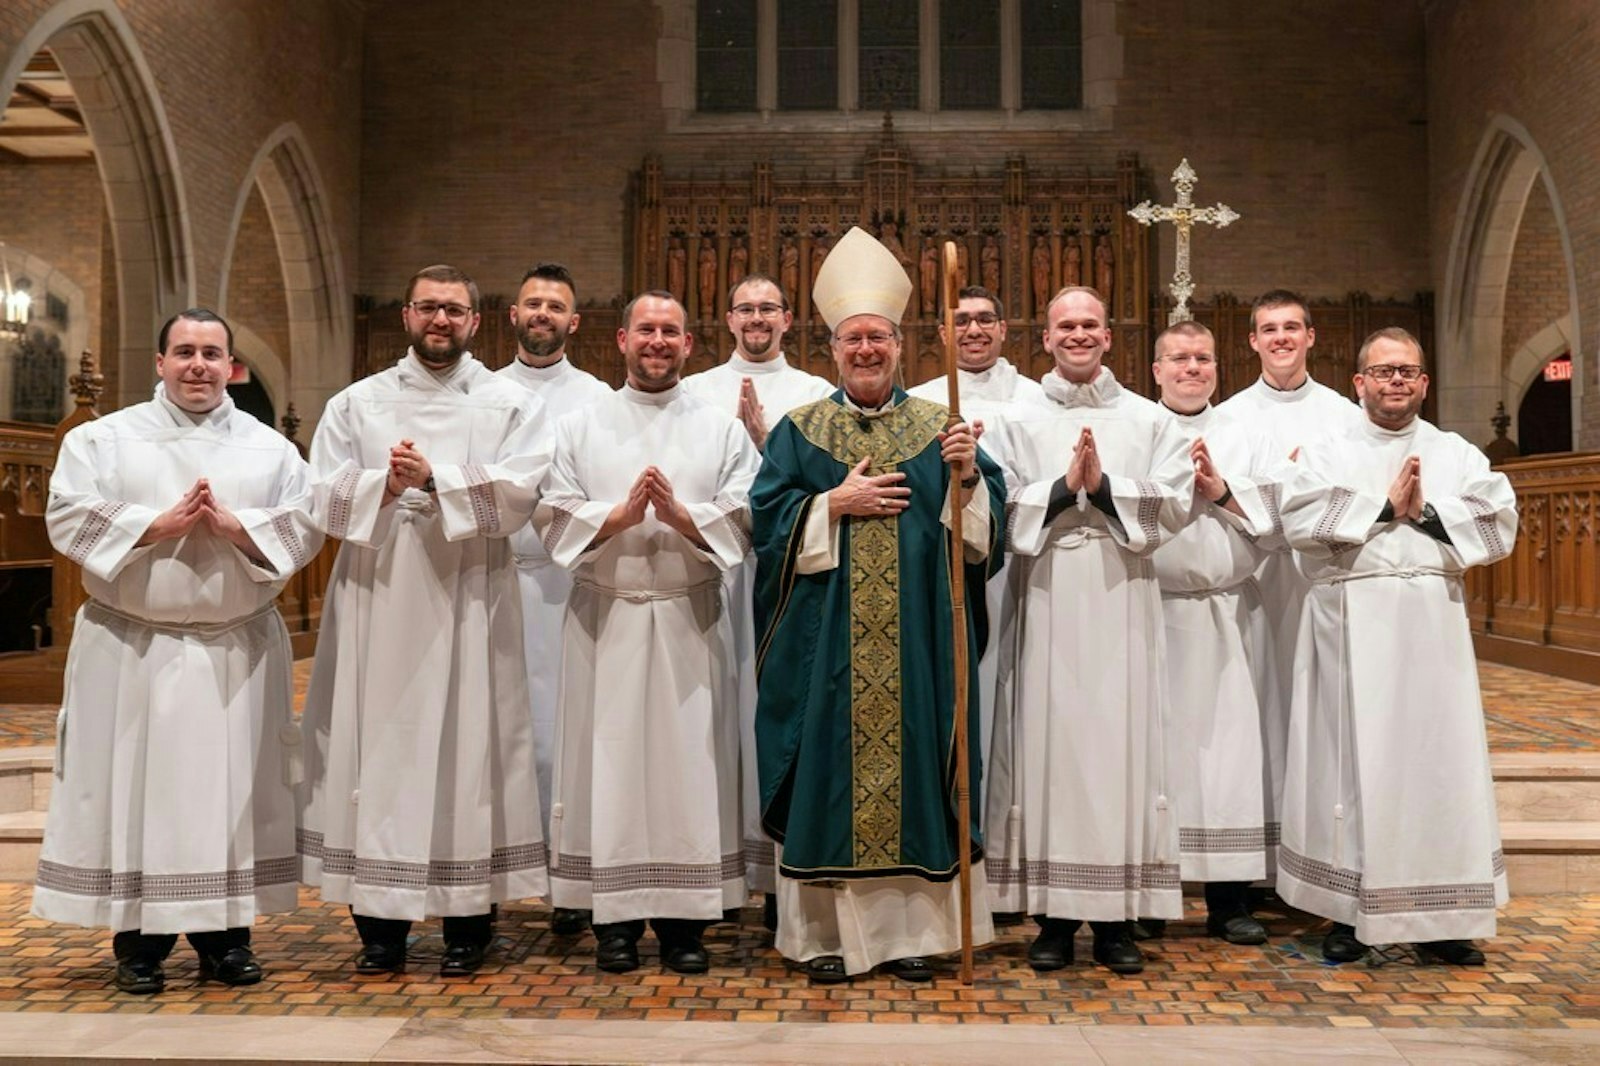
{"x":875,"y":737}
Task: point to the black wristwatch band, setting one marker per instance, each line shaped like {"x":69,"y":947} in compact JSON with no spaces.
{"x":971,"y":482}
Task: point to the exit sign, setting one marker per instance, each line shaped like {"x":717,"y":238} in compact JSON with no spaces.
{"x":1559,"y":369}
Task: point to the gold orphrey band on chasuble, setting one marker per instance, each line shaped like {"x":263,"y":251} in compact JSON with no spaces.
{"x":874,"y":567}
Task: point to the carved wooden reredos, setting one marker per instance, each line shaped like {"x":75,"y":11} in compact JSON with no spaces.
{"x":1024,"y":234}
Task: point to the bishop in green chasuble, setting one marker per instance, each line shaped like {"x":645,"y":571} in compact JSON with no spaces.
{"x":855,"y":723}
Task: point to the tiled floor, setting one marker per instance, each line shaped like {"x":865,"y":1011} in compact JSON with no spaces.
{"x":1541,"y":973}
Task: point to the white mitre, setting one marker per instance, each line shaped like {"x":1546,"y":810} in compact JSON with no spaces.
{"x":860,"y":277}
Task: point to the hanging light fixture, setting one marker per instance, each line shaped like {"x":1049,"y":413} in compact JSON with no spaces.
{"x":18,"y":303}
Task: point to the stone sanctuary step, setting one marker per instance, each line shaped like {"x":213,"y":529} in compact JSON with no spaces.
{"x":1549,"y":806}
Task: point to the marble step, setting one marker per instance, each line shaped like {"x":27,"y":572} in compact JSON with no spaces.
{"x":1551,"y":857}
{"x":1547,"y":787}
{"x":25,"y":777}
{"x":21,"y":833}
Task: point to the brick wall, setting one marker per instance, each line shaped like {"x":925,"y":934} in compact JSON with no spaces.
{"x":255,"y":282}
{"x":525,"y":151}
{"x":1488,"y":57}
{"x":56,"y":212}
{"x":1536,"y":291}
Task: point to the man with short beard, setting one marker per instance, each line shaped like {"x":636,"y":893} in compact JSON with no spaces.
{"x":544,"y":316}
{"x":423,"y":797}
{"x":759,"y":386}
{"x":646,"y":505}
{"x":1389,"y":824}
{"x":991,"y":388}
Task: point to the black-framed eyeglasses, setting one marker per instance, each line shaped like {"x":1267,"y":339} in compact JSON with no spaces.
{"x":986,"y":319}
{"x":427,"y":309}
{"x":1385,"y":371}
{"x":751,"y":310}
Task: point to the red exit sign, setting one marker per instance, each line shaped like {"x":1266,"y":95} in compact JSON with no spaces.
{"x":1559,"y":369}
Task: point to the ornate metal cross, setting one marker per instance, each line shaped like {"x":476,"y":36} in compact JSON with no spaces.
{"x":1183,"y":215}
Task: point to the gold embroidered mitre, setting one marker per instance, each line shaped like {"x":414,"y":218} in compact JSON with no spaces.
{"x":860,"y":277}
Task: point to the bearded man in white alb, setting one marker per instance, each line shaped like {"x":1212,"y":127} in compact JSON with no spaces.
{"x":1389,"y":821}
{"x":172,"y":811}
{"x":759,"y":386}
{"x":990,"y":388}
{"x":646,"y":504}
{"x":423,"y":798}
{"x":1100,"y":479}
{"x":544,"y":316}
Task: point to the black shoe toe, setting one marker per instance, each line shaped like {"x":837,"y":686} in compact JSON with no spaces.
{"x":141,"y":977}
{"x":688,"y":957}
{"x":568,"y":921}
{"x":1117,"y":952}
{"x":1238,"y":928}
{"x":1052,"y":948}
{"x":378,"y":958}
{"x":1451,"y":952}
{"x":910,"y":968}
{"x":1341,"y":945}
{"x":236,"y":966}
{"x":826,"y":970}
{"x":616,"y":954}
{"x":461,"y":960}
{"x":1147,"y":928}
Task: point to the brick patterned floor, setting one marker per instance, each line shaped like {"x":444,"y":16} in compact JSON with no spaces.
{"x":1541,"y":973}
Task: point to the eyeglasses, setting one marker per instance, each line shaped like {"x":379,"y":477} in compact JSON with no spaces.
{"x":982,"y":318}
{"x":1385,"y":371}
{"x":427,"y":309}
{"x":1198,"y":358}
{"x":860,"y":340}
{"x":764,"y":310}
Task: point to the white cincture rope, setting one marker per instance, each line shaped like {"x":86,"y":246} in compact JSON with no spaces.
{"x":648,"y":595}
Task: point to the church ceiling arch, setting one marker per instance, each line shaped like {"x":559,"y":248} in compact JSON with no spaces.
{"x":134,"y":151}
{"x":1504,"y":172}
{"x":285,"y":173}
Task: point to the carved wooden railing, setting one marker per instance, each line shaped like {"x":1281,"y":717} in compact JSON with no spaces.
{"x":1540,"y":608}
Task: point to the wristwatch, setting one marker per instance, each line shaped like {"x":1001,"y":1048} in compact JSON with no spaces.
{"x":971,"y":482}
{"x":429,"y":486}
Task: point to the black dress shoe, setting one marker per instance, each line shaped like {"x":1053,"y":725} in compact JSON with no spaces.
{"x":826,"y":970}
{"x":462,"y":959}
{"x":236,"y":966}
{"x":1115,"y":950}
{"x":685,"y":957}
{"x":1052,"y":948}
{"x":569,"y":921}
{"x":1147,"y":928}
{"x":1237,"y":928}
{"x":910,"y":968}
{"x":1004,"y":918}
{"x":378,"y":957}
{"x":1451,"y":952}
{"x":616,"y":953}
{"x":1341,"y":945}
{"x":142,"y":977}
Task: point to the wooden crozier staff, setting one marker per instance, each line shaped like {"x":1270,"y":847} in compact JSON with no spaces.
{"x":958,"y":616}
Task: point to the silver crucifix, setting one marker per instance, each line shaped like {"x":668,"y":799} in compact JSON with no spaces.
{"x":1183,"y":215}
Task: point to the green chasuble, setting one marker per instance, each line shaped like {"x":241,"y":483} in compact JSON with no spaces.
{"x":854,"y":725}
